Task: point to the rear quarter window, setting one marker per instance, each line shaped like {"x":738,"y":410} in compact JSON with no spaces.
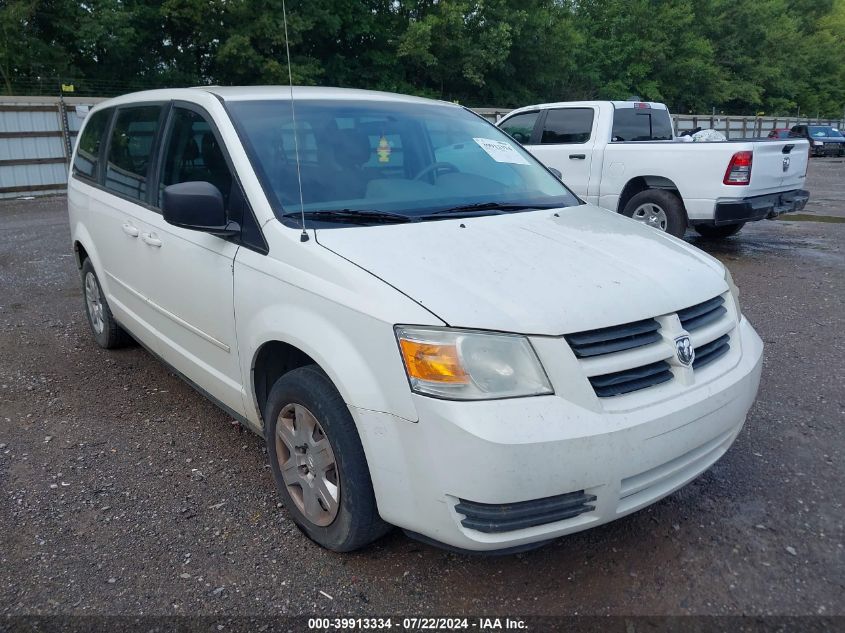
{"x":646,"y":124}
{"x":87,"y":157}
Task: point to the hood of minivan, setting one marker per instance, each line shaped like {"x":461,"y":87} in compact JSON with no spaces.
{"x":540,"y":272}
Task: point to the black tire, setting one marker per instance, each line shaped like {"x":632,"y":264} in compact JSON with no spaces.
{"x":668,"y":202}
{"x":718,"y":232}
{"x":105,"y":329}
{"x":357,"y":522}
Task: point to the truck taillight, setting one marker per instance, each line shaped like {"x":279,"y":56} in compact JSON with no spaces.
{"x":739,"y":169}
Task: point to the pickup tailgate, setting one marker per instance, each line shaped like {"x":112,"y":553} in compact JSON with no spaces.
{"x":779,"y":165}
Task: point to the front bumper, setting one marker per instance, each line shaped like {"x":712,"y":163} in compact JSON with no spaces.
{"x":760,"y":207}
{"x":518,"y":450}
{"x":828,"y":148}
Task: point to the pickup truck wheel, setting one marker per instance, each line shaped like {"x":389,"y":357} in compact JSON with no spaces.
{"x":107,"y":333}
{"x":715,"y":232}
{"x":658,"y":209}
{"x":318,"y":462}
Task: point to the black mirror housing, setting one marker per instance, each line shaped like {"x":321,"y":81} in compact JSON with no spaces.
{"x":197,"y":206}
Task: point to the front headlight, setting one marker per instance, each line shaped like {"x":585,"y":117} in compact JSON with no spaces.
{"x":734,"y":291}
{"x":470,"y":365}
{"x":818,"y":143}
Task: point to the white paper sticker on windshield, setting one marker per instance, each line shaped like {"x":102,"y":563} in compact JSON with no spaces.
{"x":501,"y":151}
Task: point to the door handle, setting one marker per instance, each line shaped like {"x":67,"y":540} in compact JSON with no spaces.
{"x":130,"y":230}
{"x":149,"y":239}
{"x":578,"y":156}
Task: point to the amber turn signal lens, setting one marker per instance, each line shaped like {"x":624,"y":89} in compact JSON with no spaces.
{"x":433,"y":363}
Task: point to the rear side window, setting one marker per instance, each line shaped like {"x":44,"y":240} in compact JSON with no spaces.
{"x":641,"y":124}
{"x":567,"y":125}
{"x":88,"y":152}
{"x":521,"y":126}
{"x":130,"y":154}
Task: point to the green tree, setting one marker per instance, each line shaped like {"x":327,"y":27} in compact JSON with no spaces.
{"x":30,"y":47}
{"x":739,"y":56}
{"x":649,"y":49}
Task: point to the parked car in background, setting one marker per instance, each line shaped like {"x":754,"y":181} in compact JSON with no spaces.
{"x":428,"y":328}
{"x":824,"y":139}
{"x":622,"y":156}
{"x":783,"y":132}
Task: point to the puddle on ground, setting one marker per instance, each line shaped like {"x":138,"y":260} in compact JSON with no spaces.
{"x":805,"y":217}
{"x":761,"y":241}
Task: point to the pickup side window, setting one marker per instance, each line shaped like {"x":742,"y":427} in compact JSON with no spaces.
{"x":641,"y":124}
{"x":131,"y":150}
{"x":521,"y":126}
{"x":88,"y":152}
{"x":567,"y":126}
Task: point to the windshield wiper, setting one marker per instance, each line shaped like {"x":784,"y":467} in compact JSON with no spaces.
{"x":503,"y":207}
{"x":352,"y":216}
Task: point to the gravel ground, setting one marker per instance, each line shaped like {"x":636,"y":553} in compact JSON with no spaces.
{"x":122,"y":491}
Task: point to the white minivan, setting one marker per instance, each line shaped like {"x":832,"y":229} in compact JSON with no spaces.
{"x":428,"y":327}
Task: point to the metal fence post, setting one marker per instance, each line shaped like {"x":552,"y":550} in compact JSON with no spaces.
{"x":65,"y":130}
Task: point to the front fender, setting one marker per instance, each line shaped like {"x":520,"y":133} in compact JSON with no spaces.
{"x":345,"y":326}
{"x":361,"y":357}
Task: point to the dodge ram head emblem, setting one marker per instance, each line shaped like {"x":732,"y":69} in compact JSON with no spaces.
{"x":785,"y":163}
{"x":684,"y":350}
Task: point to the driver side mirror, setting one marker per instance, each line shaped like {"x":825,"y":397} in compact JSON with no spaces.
{"x":556,"y":172}
{"x":197,"y":206}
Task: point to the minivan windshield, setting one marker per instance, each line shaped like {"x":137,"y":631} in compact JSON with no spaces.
{"x":366,"y":162}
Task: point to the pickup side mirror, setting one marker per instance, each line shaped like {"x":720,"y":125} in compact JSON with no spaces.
{"x":556,"y":172}
{"x":197,"y":206}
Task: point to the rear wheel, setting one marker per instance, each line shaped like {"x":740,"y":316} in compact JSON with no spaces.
{"x":659,"y":209}
{"x":104,"y":327}
{"x":318,"y":462}
{"x":716,"y":232}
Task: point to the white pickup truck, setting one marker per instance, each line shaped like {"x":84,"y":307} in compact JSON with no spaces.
{"x":623,"y":156}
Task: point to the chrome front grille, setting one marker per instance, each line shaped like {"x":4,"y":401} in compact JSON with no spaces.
{"x":625,"y":358}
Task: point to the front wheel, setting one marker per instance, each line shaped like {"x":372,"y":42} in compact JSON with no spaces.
{"x":717,"y":232}
{"x":659,"y":209}
{"x":318,"y":462}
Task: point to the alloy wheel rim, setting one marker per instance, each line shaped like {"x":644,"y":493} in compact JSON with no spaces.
{"x":94,"y":303}
{"x":651,"y":215}
{"x":307,"y":464}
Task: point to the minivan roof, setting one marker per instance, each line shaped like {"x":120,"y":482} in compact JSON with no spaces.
{"x":256,"y":93}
